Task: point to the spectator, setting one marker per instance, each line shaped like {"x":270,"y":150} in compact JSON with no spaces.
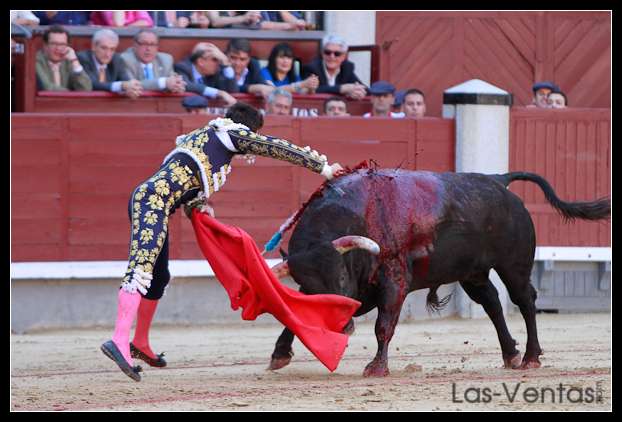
{"x":399,"y":100}
{"x":55,"y":17}
{"x":229,"y":19}
{"x":413,"y":104}
{"x":57,"y":66}
{"x":106,"y":68}
{"x":246,"y":70}
{"x":199,"y":19}
{"x":279,"y":103}
{"x":170,"y":18}
{"x":541,"y":91}
{"x":24,"y":17}
{"x":336,"y":107}
{"x":122,"y":18}
{"x":336,"y":74}
{"x":382,"y":98}
{"x":153,"y":69}
{"x":195,"y":104}
{"x":282,"y":20}
{"x":557,"y":99}
{"x":203,"y":76}
{"x":281,"y":72}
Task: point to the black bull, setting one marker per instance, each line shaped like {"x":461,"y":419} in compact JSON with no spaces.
{"x":432,"y":229}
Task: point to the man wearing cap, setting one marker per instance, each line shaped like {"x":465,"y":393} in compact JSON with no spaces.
{"x":195,"y":104}
{"x":196,"y":169}
{"x":541,"y":91}
{"x":382,"y":99}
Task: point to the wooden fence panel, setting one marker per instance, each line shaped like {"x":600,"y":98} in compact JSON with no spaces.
{"x":73,"y":175}
{"x":434,"y":51}
{"x":572,"y":150}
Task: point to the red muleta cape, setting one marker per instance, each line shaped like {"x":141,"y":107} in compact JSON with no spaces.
{"x":317,"y":320}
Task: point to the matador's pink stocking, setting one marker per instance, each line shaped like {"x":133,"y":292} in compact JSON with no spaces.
{"x":126,"y":312}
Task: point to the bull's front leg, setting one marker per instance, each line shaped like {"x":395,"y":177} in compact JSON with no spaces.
{"x":392,"y":295}
{"x":283,"y":352}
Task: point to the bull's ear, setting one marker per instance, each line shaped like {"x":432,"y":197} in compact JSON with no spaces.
{"x":284,"y":254}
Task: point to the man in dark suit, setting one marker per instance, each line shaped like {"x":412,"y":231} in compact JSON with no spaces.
{"x":105,"y":67}
{"x":202,"y":73}
{"x":246,"y":69}
{"x":336,"y":74}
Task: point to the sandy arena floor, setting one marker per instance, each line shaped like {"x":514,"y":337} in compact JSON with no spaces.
{"x":223,"y":367}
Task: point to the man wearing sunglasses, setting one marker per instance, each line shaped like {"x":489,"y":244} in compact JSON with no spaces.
{"x":335,"y":72}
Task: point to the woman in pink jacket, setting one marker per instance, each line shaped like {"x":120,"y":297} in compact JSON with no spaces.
{"x":120,"y":18}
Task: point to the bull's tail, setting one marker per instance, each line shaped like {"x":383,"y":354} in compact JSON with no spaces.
{"x":433,"y":304}
{"x":595,"y":210}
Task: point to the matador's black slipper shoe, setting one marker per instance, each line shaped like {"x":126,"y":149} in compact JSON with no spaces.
{"x":138,"y":354}
{"x":112,"y":351}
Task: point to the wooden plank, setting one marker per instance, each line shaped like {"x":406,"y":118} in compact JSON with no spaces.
{"x":35,"y":205}
{"x":38,"y":231}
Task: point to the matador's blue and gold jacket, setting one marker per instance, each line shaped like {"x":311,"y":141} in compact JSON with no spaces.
{"x":212,"y":147}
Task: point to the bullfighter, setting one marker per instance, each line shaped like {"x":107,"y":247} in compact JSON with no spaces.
{"x":191,"y":173}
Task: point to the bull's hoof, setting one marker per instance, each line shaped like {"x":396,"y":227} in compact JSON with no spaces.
{"x":532,"y":363}
{"x":280,"y":362}
{"x":512,"y":362}
{"x":375,"y":369}
{"x":349,"y":328}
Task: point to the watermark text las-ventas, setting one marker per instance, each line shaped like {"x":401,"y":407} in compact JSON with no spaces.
{"x":519,"y":392}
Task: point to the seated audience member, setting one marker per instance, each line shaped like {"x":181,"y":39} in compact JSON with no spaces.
{"x":153,"y":69}
{"x":231,"y":19}
{"x":382,"y":98}
{"x":541,"y":91}
{"x":399,"y":100}
{"x":255,"y":19}
{"x":24,"y":17}
{"x":199,"y":19}
{"x":246,"y":69}
{"x":336,"y":107}
{"x":282,"y":20}
{"x":57,"y":66}
{"x":557,"y":99}
{"x":106,"y":68}
{"x":122,"y":18}
{"x":55,"y":17}
{"x":202,"y":73}
{"x":170,"y":18}
{"x":195,"y":104}
{"x":336,"y":74}
{"x":413,"y":104}
{"x":279,"y":103}
{"x":281,"y":72}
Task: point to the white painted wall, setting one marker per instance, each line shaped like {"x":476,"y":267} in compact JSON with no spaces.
{"x":358,"y":28}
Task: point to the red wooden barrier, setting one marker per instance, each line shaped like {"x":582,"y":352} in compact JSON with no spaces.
{"x":72,"y":175}
{"x":572,"y":150}
{"x":156,"y":102}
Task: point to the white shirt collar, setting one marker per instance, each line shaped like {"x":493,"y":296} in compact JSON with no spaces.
{"x":196,"y":75}
{"x":331,"y":80}
{"x":98,"y":65}
{"x":242,"y":77}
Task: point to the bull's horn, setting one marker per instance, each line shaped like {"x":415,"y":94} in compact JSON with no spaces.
{"x":347,"y":243}
{"x":281,"y":270}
